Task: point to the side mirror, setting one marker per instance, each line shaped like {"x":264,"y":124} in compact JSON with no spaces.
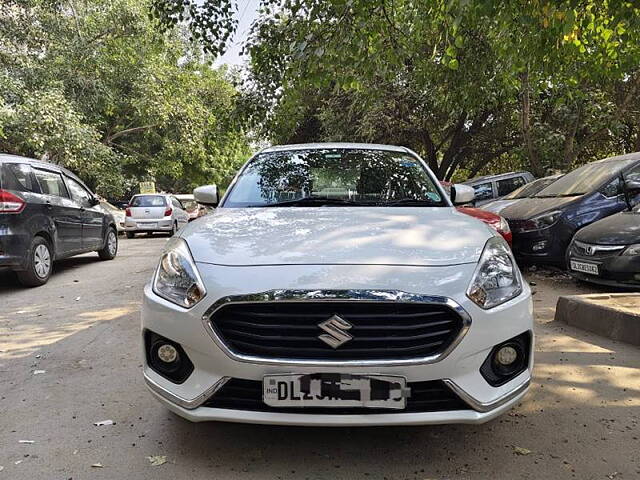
{"x":461,"y":194}
{"x":206,"y":195}
{"x":632,"y":186}
{"x":93,"y":201}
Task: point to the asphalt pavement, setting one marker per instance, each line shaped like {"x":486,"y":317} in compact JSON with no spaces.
{"x":70,"y":356}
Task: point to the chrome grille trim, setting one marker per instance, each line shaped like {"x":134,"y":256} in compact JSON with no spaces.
{"x":302,"y":296}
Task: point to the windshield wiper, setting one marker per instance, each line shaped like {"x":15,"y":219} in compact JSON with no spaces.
{"x":410,"y":202}
{"x":313,"y":202}
{"x":560,"y":195}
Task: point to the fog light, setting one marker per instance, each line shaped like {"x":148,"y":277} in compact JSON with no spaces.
{"x":167,"y":353}
{"x":506,"y":355}
{"x":542,"y":245}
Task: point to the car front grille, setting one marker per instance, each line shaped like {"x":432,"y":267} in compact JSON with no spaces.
{"x":594,"y":252}
{"x":377,"y":330}
{"x":430,"y":396}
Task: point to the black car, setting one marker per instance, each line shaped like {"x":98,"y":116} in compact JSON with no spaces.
{"x":47,"y":213}
{"x":544,"y":224}
{"x":608,"y":251}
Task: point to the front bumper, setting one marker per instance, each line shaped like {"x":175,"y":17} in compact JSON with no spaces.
{"x":459,"y":369}
{"x":613,"y":271}
{"x":547,"y":246}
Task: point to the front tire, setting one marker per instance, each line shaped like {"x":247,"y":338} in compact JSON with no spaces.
{"x":39,"y":264}
{"x":110,"y":249}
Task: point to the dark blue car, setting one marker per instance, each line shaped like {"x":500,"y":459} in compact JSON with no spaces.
{"x":544,"y":224}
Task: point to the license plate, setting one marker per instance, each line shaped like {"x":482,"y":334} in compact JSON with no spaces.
{"x":335,"y":390}
{"x":584,"y":267}
{"x":147,"y":224}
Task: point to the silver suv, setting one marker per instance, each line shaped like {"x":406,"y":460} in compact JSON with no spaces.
{"x":490,"y":187}
{"x":154,"y":213}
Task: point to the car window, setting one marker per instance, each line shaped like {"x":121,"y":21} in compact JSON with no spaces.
{"x":484,"y":191}
{"x":176,"y":203}
{"x":51,"y":183}
{"x":148,"y":201}
{"x":342,"y":176}
{"x":79,"y":193}
{"x":508,"y":185}
{"x":17,"y":176}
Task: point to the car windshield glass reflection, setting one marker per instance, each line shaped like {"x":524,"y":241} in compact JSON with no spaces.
{"x":529,"y":189}
{"x":338,"y":177}
{"x":583,"y":180}
{"x":148,"y":201}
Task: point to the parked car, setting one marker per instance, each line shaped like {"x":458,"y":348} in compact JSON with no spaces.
{"x":192,"y":207}
{"x":157,"y":212}
{"x":491,"y":187}
{"x":117,"y":213}
{"x":608,"y":251}
{"x":337,"y":285}
{"x":47,"y":213}
{"x":496,"y":222}
{"x":544,"y":224}
{"x":525,"y":191}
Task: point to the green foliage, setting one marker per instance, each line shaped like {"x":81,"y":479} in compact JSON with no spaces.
{"x":94,"y":85}
{"x":539,"y":84}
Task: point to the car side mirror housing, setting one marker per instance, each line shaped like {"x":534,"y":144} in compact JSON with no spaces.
{"x":461,"y":194}
{"x":93,"y":201}
{"x":206,"y":195}
{"x":632,"y":186}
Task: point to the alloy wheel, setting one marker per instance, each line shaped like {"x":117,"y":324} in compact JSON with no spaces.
{"x":42,"y":261}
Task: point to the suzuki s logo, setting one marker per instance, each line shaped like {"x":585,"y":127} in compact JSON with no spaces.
{"x":336,"y":329}
{"x":590,"y":250}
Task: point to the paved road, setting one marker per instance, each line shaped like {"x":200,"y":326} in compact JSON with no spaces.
{"x":580,"y":419}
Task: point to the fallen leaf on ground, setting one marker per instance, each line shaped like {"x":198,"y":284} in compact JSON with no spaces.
{"x":157,"y":460}
{"x":97,"y":465}
{"x":103,"y":423}
{"x":521,"y":451}
{"x":38,"y":372}
{"x":26,"y":441}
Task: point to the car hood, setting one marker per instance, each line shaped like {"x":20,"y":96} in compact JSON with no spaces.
{"x":534,"y":206}
{"x":620,"y":229}
{"x":337,"y":235}
{"x":498,"y":205}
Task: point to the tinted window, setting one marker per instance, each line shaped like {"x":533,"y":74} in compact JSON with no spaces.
{"x":148,"y":201}
{"x":508,"y":185}
{"x":17,"y":176}
{"x":586,"y":179}
{"x":483,"y":191}
{"x":343,"y":176}
{"x":78,"y":192}
{"x":51,"y":183}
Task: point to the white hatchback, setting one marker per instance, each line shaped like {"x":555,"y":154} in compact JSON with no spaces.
{"x":335,"y":284}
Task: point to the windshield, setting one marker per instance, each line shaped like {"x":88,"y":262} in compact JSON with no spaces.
{"x":148,"y":201}
{"x":585,"y":179}
{"x":530,"y":189}
{"x":189,"y":205}
{"x":351,"y":177}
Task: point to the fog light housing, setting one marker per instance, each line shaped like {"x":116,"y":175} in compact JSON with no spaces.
{"x":167,"y":358}
{"x":507,"y":360}
{"x":539,"y":246}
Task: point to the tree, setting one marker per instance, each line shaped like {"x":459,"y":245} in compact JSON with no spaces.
{"x":96,"y":87}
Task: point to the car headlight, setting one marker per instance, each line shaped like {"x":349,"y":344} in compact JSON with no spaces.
{"x":177,"y":278}
{"x":632,"y":250}
{"x":540,"y":222}
{"x":497,"y":278}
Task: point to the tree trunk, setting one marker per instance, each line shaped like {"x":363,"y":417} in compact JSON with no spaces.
{"x":570,"y":153}
{"x":527,"y":134}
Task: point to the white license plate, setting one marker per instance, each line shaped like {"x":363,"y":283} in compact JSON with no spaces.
{"x":584,"y":267}
{"x":335,"y":390}
{"x":147,"y":224}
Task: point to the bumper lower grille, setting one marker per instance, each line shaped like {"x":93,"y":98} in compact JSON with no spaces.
{"x":374,"y":330}
{"x":430,"y":396}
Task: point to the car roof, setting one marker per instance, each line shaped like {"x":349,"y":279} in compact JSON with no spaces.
{"x":10,"y":158}
{"x":620,"y":158}
{"x":497,"y":175}
{"x":319,"y":146}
